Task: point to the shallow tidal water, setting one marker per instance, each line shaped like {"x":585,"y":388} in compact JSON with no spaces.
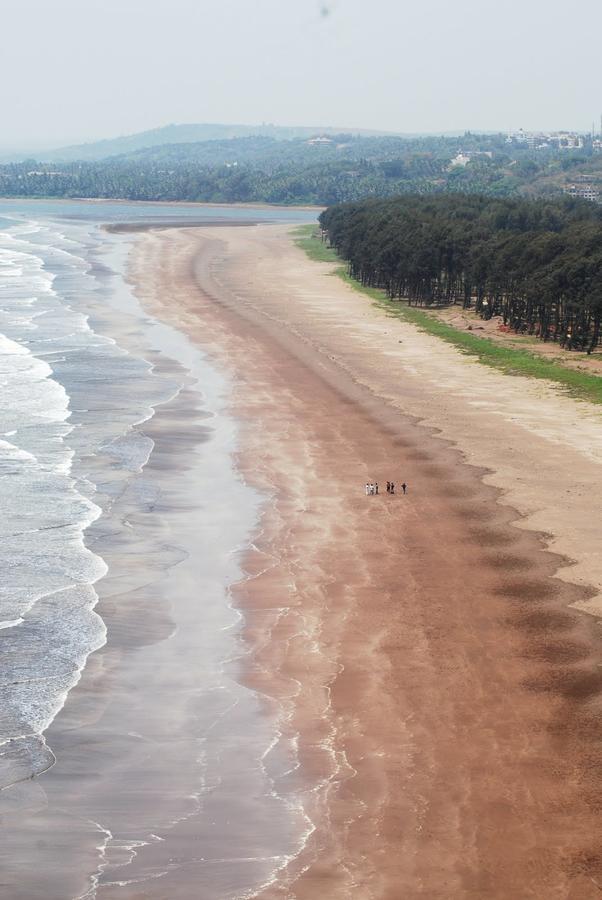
{"x":130,"y":750}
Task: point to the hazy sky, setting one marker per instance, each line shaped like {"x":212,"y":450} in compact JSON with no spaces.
{"x":83,"y":69}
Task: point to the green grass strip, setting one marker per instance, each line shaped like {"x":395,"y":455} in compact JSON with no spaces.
{"x":509,"y":360}
{"x":307,"y":237}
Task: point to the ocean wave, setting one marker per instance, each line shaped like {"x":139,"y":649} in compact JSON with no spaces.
{"x":70,"y":403}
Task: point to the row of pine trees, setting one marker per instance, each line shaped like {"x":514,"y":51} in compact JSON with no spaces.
{"x":535,"y":263}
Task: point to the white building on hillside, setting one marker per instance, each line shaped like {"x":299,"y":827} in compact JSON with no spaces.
{"x":583,"y":190}
{"x":460,"y":159}
{"x":463,"y":157}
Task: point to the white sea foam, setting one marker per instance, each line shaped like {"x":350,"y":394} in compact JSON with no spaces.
{"x":11,"y":624}
{"x":67,"y":394}
{"x":88,"y":437}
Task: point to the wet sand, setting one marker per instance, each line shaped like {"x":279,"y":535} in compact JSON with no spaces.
{"x":214,"y":222}
{"x":441,"y":679}
{"x":158,"y":782}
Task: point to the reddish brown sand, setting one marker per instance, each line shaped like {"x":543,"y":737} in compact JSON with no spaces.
{"x":447,"y":694}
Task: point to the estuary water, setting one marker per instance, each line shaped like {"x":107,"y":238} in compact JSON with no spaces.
{"x":86,"y":376}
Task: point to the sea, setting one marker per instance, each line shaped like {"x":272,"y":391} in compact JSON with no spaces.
{"x":76,"y":406}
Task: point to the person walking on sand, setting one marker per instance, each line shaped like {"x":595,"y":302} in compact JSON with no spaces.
{"x":392,"y":488}
{"x":404,"y":487}
{"x":376,"y":488}
{"x":367,"y":489}
{"x":388,"y":487}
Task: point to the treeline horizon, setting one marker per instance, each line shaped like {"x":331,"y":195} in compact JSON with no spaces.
{"x":535,"y":263}
{"x":344,"y":168}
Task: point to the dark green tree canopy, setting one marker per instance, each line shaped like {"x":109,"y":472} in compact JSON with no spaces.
{"x":537,"y":264}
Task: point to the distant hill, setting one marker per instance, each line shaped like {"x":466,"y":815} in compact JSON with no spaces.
{"x":266,"y":152}
{"x":187,"y":134}
{"x":321,"y":167}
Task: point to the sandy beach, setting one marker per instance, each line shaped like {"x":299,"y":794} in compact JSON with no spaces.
{"x":158,"y":757}
{"x":306,"y":692}
{"x":435,"y":656}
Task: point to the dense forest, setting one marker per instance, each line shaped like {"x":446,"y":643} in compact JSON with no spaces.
{"x":537,"y":264}
{"x":323,"y":171}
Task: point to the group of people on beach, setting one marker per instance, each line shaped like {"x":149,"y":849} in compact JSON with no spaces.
{"x":372,"y":487}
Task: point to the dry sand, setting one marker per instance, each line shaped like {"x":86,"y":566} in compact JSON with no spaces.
{"x":439,"y":669}
{"x":495,"y":330}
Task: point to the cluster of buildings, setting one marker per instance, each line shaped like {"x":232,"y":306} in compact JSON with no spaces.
{"x":584,"y":187}
{"x":542,"y":140}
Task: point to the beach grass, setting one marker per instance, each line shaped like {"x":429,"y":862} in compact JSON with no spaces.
{"x":308,"y":238}
{"x":507,"y":359}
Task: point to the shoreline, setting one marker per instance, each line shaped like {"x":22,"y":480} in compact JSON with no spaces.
{"x":142,"y":203}
{"x":136,"y":227}
{"x":149,"y":743}
{"x":346,"y":696}
{"x":516,"y":663}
